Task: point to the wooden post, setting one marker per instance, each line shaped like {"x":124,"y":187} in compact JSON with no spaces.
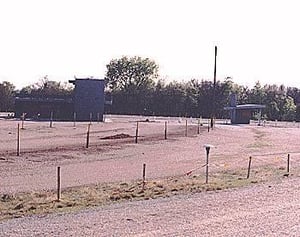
{"x":18,"y":140}
{"x":51,"y":119}
{"x":91,"y":116}
{"x":208,"y":125}
{"x":88,"y":136}
{"x":214,"y":91}
{"x":198,"y":128}
{"x":22,"y":118}
{"x":58,"y":183}
{"x":144,"y":175}
{"x":288,"y":164}
{"x":186,"y":128}
{"x":74,"y":120}
{"x":166,"y":130}
{"x":249,"y":167}
{"x":98,"y":117}
{"x":136,"y":132}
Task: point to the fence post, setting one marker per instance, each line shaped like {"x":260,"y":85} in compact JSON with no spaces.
{"x":144,"y":175}
{"x":208,"y":127}
{"x":91,"y":116}
{"x":74,"y":119}
{"x":288,"y":164}
{"x":58,"y":183}
{"x":186,"y":128}
{"x":165,"y":130}
{"x":18,"y":140}
{"x":51,"y":119}
{"x":88,"y":136}
{"x":22,"y":118}
{"x":249,"y":167}
{"x":136,"y":132}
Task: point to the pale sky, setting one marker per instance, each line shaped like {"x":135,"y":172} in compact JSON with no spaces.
{"x":256,"y":39}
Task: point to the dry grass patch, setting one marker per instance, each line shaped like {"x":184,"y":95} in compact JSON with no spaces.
{"x":75,"y":198}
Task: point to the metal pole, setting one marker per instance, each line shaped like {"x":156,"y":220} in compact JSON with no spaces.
{"x":207,"y":155}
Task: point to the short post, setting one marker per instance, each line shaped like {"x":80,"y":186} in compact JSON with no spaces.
{"x":166,"y":130}
{"x":91,"y":116}
{"x":18,"y":140}
{"x":208,"y":127}
{"x":207,"y":148}
{"x":74,"y":120}
{"x":249,"y":167}
{"x":198,"y":128}
{"x":22,"y":118}
{"x":58,"y":183}
{"x":144,"y":175}
{"x":98,"y":117}
{"x":136,"y":132}
{"x":186,"y":128}
{"x":88,"y":136}
{"x":51,"y":119}
{"x":288,"y":164}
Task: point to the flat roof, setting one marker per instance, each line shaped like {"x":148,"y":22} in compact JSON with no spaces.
{"x":84,"y":79}
{"x":245,"y":106}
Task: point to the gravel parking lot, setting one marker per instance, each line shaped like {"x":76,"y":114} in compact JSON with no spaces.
{"x":269,"y":209}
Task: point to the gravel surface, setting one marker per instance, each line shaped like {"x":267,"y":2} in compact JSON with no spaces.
{"x":252,"y":211}
{"x":43,"y":149}
{"x":271,"y":209}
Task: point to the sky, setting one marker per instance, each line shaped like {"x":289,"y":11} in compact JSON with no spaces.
{"x":257,"y":40}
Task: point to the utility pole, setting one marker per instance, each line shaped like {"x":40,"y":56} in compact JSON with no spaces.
{"x":213,"y":114}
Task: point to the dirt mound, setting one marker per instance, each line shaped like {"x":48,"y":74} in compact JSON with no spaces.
{"x":117,"y":136}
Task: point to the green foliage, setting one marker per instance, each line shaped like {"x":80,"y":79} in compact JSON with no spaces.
{"x":136,"y":89}
{"x":7,"y":92}
{"x":134,"y":73}
{"x":131,"y":81}
{"x":45,"y":88}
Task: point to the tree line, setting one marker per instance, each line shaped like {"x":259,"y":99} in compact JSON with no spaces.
{"x":134,"y":86}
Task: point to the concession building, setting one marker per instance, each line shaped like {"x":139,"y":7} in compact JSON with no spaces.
{"x":85,"y":104}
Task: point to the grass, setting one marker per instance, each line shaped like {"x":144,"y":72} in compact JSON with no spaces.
{"x":81,"y":197}
{"x":24,"y":204}
{"x":260,"y":139}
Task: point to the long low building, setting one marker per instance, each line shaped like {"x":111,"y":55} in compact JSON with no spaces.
{"x":85,"y":104}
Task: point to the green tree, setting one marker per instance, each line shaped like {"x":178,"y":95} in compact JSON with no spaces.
{"x":7,"y":92}
{"x":135,"y":72}
{"x":131,"y":81}
{"x":46,"y":88}
{"x":289,"y":109}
